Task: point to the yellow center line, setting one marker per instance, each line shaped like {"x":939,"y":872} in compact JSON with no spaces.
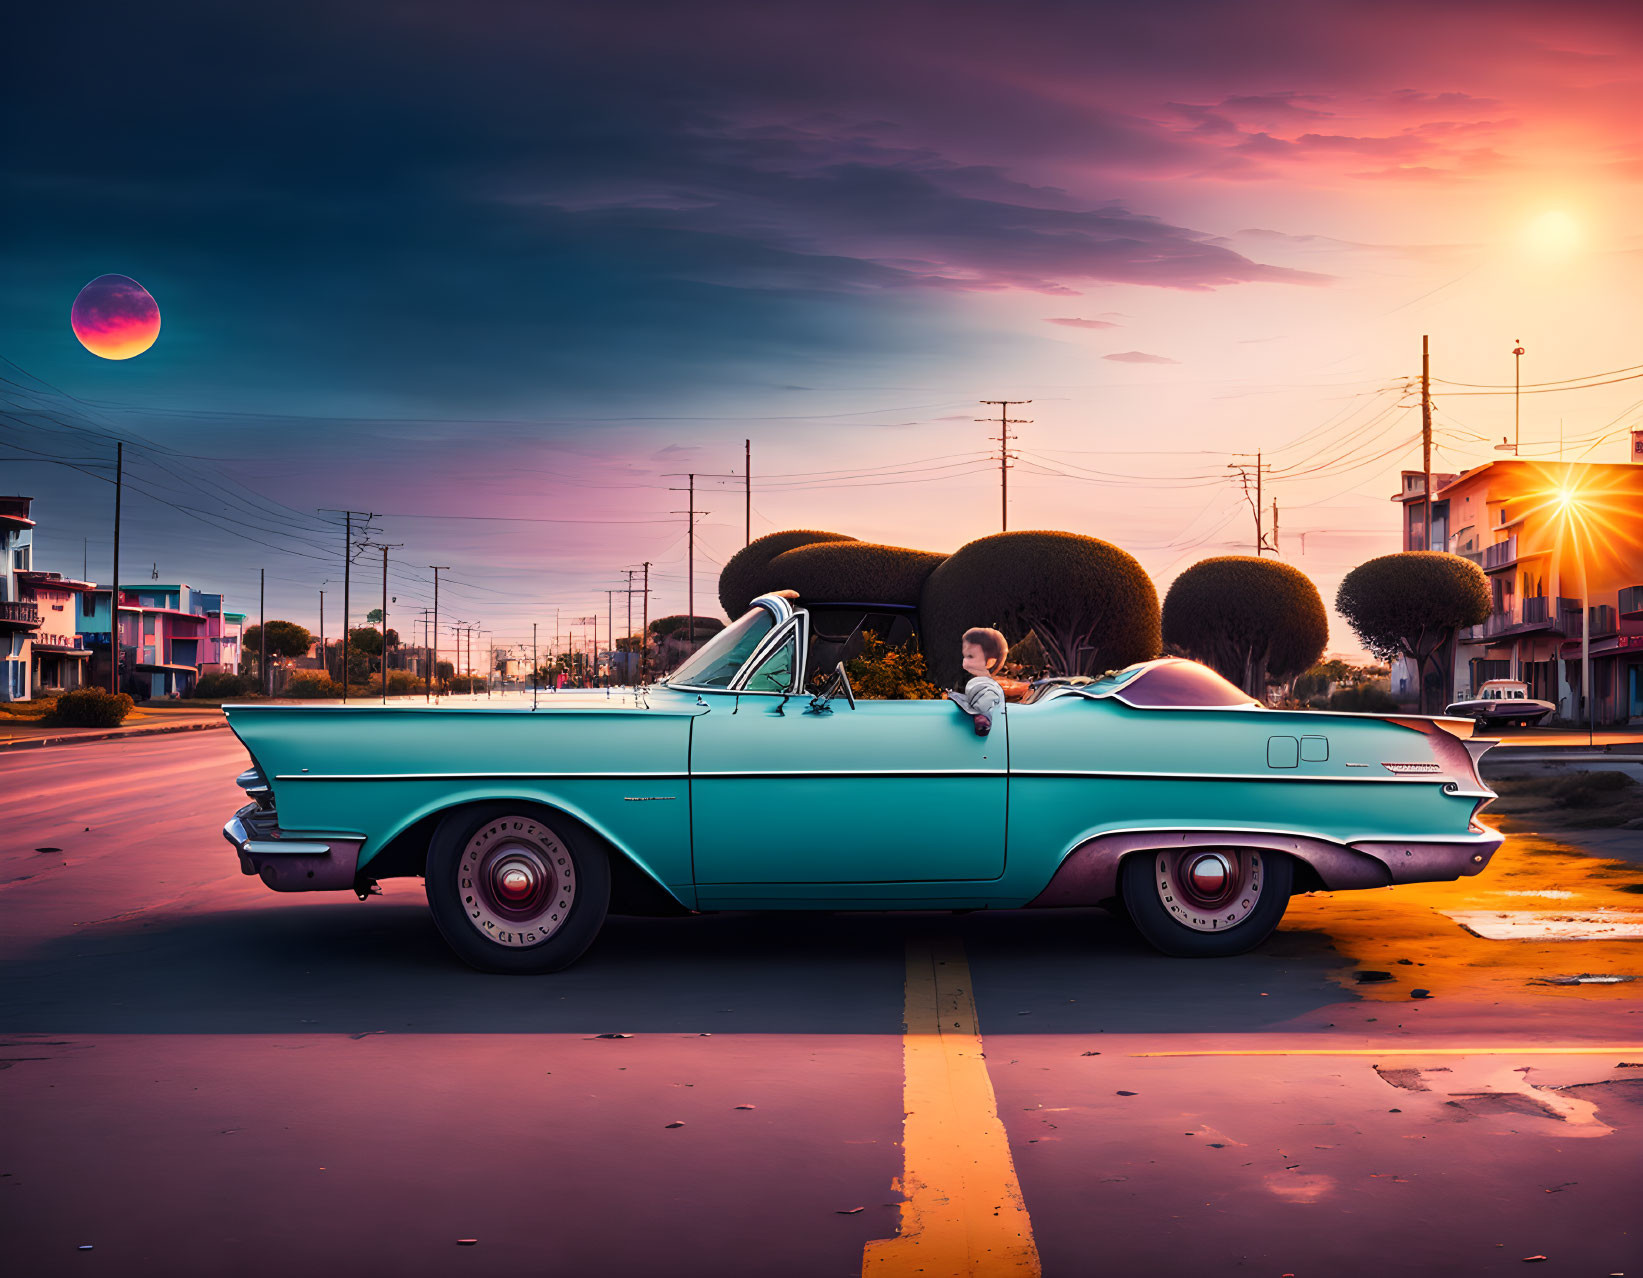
{"x":962,"y":1211}
{"x":1401,"y":1050}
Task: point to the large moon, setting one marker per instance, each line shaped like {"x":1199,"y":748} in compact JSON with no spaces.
{"x":115,"y":317}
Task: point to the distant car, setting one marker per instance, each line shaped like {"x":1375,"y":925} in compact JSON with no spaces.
{"x":1162,"y":791}
{"x":1502,"y":703}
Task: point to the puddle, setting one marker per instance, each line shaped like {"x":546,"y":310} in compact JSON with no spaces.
{"x":1528,"y":925}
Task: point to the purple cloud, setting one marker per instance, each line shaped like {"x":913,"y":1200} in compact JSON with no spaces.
{"x":1072,"y":322}
{"x":1140,"y":357}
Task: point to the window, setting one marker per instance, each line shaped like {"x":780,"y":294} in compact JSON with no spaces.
{"x":148,"y":625}
{"x":88,"y":605}
{"x":716,"y":664}
{"x":775,"y":672}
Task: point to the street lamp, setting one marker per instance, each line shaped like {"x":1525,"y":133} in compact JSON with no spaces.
{"x":1569,"y":502}
{"x":1517,"y":420}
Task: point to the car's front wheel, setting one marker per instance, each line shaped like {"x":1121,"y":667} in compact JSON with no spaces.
{"x":514,"y":890}
{"x":1206,"y":902}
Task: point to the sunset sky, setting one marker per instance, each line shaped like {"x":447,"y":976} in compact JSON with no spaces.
{"x":449,"y":263}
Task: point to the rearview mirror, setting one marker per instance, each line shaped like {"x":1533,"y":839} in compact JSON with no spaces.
{"x":840,"y":682}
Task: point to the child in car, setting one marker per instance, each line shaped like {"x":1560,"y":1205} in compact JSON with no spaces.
{"x":983,"y":651}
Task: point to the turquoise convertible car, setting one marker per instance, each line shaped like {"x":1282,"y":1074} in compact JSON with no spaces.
{"x":1161,"y":791}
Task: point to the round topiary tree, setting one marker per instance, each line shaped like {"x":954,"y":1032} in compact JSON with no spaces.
{"x":1411,"y":605}
{"x":1091,"y":605}
{"x":1254,"y":621}
{"x":739,"y":580}
{"x":850,"y":572}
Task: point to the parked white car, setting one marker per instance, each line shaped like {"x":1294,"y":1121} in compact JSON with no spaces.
{"x":1503,"y":703}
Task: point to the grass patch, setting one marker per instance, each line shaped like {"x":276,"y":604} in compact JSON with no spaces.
{"x":1572,"y":800}
{"x":38,"y":708}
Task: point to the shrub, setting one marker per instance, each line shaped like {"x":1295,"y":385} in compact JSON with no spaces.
{"x":1582,"y":789}
{"x":403,"y":683}
{"x":220,"y":684}
{"x":739,"y":579}
{"x":680,"y":624}
{"x":882,"y":673}
{"x":849,"y":572}
{"x":1091,"y":605}
{"x":311,"y":684}
{"x":1364,"y":699}
{"x":1411,"y":605}
{"x":92,"y":708}
{"x":1252,"y":620}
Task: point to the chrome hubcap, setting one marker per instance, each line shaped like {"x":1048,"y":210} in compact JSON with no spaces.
{"x":1209,"y":890}
{"x":518,"y":881}
{"x":1209,"y":875}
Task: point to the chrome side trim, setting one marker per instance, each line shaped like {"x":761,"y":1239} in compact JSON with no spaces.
{"x":1478,"y":833}
{"x":482,"y":776}
{"x":1423,"y":778}
{"x":825,"y":774}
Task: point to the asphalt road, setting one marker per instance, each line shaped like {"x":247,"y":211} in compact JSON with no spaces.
{"x":204,"y":1077}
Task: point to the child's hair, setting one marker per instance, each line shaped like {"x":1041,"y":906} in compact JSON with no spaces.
{"x":993,"y":645}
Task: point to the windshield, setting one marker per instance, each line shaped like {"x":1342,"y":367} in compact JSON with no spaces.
{"x":718,"y":660}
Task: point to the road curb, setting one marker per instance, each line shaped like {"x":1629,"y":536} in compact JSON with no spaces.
{"x":1621,"y":750}
{"x":34,"y":743}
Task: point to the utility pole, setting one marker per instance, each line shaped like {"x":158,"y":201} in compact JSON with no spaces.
{"x":747,"y":472}
{"x":1243,"y":469}
{"x":536,"y":681}
{"x":690,"y":572}
{"x":262,"y":627}
{"x":1517,"y":384}
{"x":323,"y":667}
{"x":644,"y":636}
{"x":427,"y":691}
{"x":1426,"y":438}
{"x":610,"y":630}
{"x":438,"y":568}
{"x":627,"y":670}
{"x":385,"y":549}
{"x":1005,"y":456}
{"x":347,"y":564}
{"x":114,"y":589}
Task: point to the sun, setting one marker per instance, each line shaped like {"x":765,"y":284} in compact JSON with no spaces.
{"x":1553,"y":234}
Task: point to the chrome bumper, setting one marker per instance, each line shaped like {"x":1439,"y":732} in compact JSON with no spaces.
{"x":1089,"y":874}
{"x":326,"y":863}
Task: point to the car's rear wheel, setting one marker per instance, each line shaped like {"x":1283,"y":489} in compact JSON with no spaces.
{"x":515,"y":890}
{"x":1206,"y":902}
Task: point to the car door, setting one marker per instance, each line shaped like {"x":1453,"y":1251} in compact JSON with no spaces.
{"x":897,"y":792}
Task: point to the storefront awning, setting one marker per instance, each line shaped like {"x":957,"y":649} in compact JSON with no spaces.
{"x":1606,"y":647}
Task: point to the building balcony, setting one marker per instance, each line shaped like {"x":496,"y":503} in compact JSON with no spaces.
{"x":1631,"y":603}
{"x":1532,"y":616}
{"x":1503,"y":554}
{"x":60,"y":643}
{"x":20,"y":616}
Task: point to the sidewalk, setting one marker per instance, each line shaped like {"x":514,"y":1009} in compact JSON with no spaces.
{"x":20,"y":734}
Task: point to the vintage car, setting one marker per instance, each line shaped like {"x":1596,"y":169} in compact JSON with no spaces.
{"x":1503,"y":703}
{"x":1160,"y":791}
